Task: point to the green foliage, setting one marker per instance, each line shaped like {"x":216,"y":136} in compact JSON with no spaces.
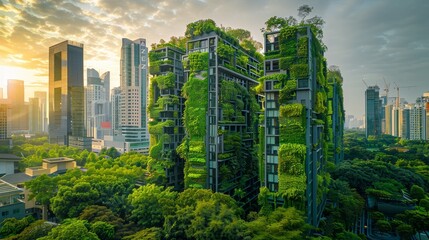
{"x":152,"y":233}
{"x":13,"y":226}
{"x":103,"y":230}
{"x":299,"y":70}
{"x":36,"y":230}
{"x":165,"y":81}
{"x":198,"y":61}
{"x":282,"y":223}
{"x":291,"y":110}
{"x":225,"y":51}
{"x":71,"y":229}
{"x":417,"y":192}
{"x":288,"y":92}
{"x":200,"y":27}
{"x":302,"y":47}
{"x":70,"y":201}
{"x":286,"y":62}
{"x":151,"y":204}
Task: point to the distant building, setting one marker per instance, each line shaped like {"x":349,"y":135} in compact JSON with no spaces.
{"x":8,"y":163}
{"x":372,"y":111}
{"x":417,"y":113}
{"x":66,"y":96}
{"x":34,"y":117}
{"x":116,"y":110}
{"x":19,"y":112}
{"x":97,"y":102}
{"x":11,"y":205}
{"x":5,"y":113}
{"x":405,"y":122}
{"x":43,"y":110}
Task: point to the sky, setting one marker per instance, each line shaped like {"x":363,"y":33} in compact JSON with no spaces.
{"x":370,"y":40}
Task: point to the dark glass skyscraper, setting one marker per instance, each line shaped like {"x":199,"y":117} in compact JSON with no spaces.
{"x":372,"y":111}
{"x":66,"y":95}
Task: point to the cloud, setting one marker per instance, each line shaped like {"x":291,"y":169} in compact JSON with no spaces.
{"x":372,"y":38}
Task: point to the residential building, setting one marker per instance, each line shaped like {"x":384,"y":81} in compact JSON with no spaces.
{"x":336,"y":114}
{"x":66,"y":96}
{"x":97,"y":102}
{"x":19,"y":112}
{"x":417,"y":113}
{"x":372,"y":111}
{"x":8,"y":163}
{"x":297,"y":120}
{"x":220,"y":116}
{"x":166,"y":108}
{"x":134,"y":85}
{"x":11,"y":205}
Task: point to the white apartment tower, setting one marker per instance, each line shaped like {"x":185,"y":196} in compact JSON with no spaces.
{"x":134,"y":85}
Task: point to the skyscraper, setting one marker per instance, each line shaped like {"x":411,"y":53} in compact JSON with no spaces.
{"x":166,"y":107}
{"x":417,"y":113}
{"x":115,"y":110}
{"x":134,"y":85}
{"x":43,"y":110}
{"x":66,"y":95}
{"x":372,"y":111}
{"x":97,"y":102}
{"x":5,"y":139}
{"x":19,"y":112}
{"x":298,"y":120}
{"x":34,"y":116}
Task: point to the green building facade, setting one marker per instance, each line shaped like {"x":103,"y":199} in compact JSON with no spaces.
{"x":166,"y":107}
{"x":295,"y":127}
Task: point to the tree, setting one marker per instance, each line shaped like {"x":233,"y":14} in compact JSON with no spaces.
{"x":303,"y":11}
{"x":103,"y":230}
{"x":405,"y":231}
{"x":71,"y":201}
{"x":36,"y":230}
{"x":416,"y":192}
{"x":12,"y":226}
{"x":71,"y":229}
{"x":42,"y":188}
{"x":152,"y":233}
{"x":151,"y":204}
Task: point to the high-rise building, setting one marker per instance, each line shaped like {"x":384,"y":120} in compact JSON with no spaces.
{"x":166,"y":108}
{"x":34,"y":118}
{"x":404,"y":119}
{"x":116,"y":110}
{"x":335,"y":113}
{"x":43,"y":110}
{"x":425,"y":101}
{"x":372,"y":111}
{"x":19,"y":111}
{"x":97,"y":103}
{"x":388,"y":118}
{"x":297,"y":120}
{"x":395,"y":121}
{"x":1,"y":93}
{"x":5,"y":112}
{"x":66,"y":95}
{"x":134,"y":86}
{"x":417,"y":113}
{"x":220,"y":116}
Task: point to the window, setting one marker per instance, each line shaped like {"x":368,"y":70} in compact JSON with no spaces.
{"x":16,"y":211}
{"x":5,"y":213}
{"x":303,"y":83}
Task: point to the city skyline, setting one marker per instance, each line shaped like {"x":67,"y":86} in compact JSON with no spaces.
{"x":367,"y":40}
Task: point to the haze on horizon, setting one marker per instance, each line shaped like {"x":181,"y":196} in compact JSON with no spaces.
{"x":368,"y":40}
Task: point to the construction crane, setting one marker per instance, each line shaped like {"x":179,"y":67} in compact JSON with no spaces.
{"x":386,"y":89}
{"x":397,"y":89}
